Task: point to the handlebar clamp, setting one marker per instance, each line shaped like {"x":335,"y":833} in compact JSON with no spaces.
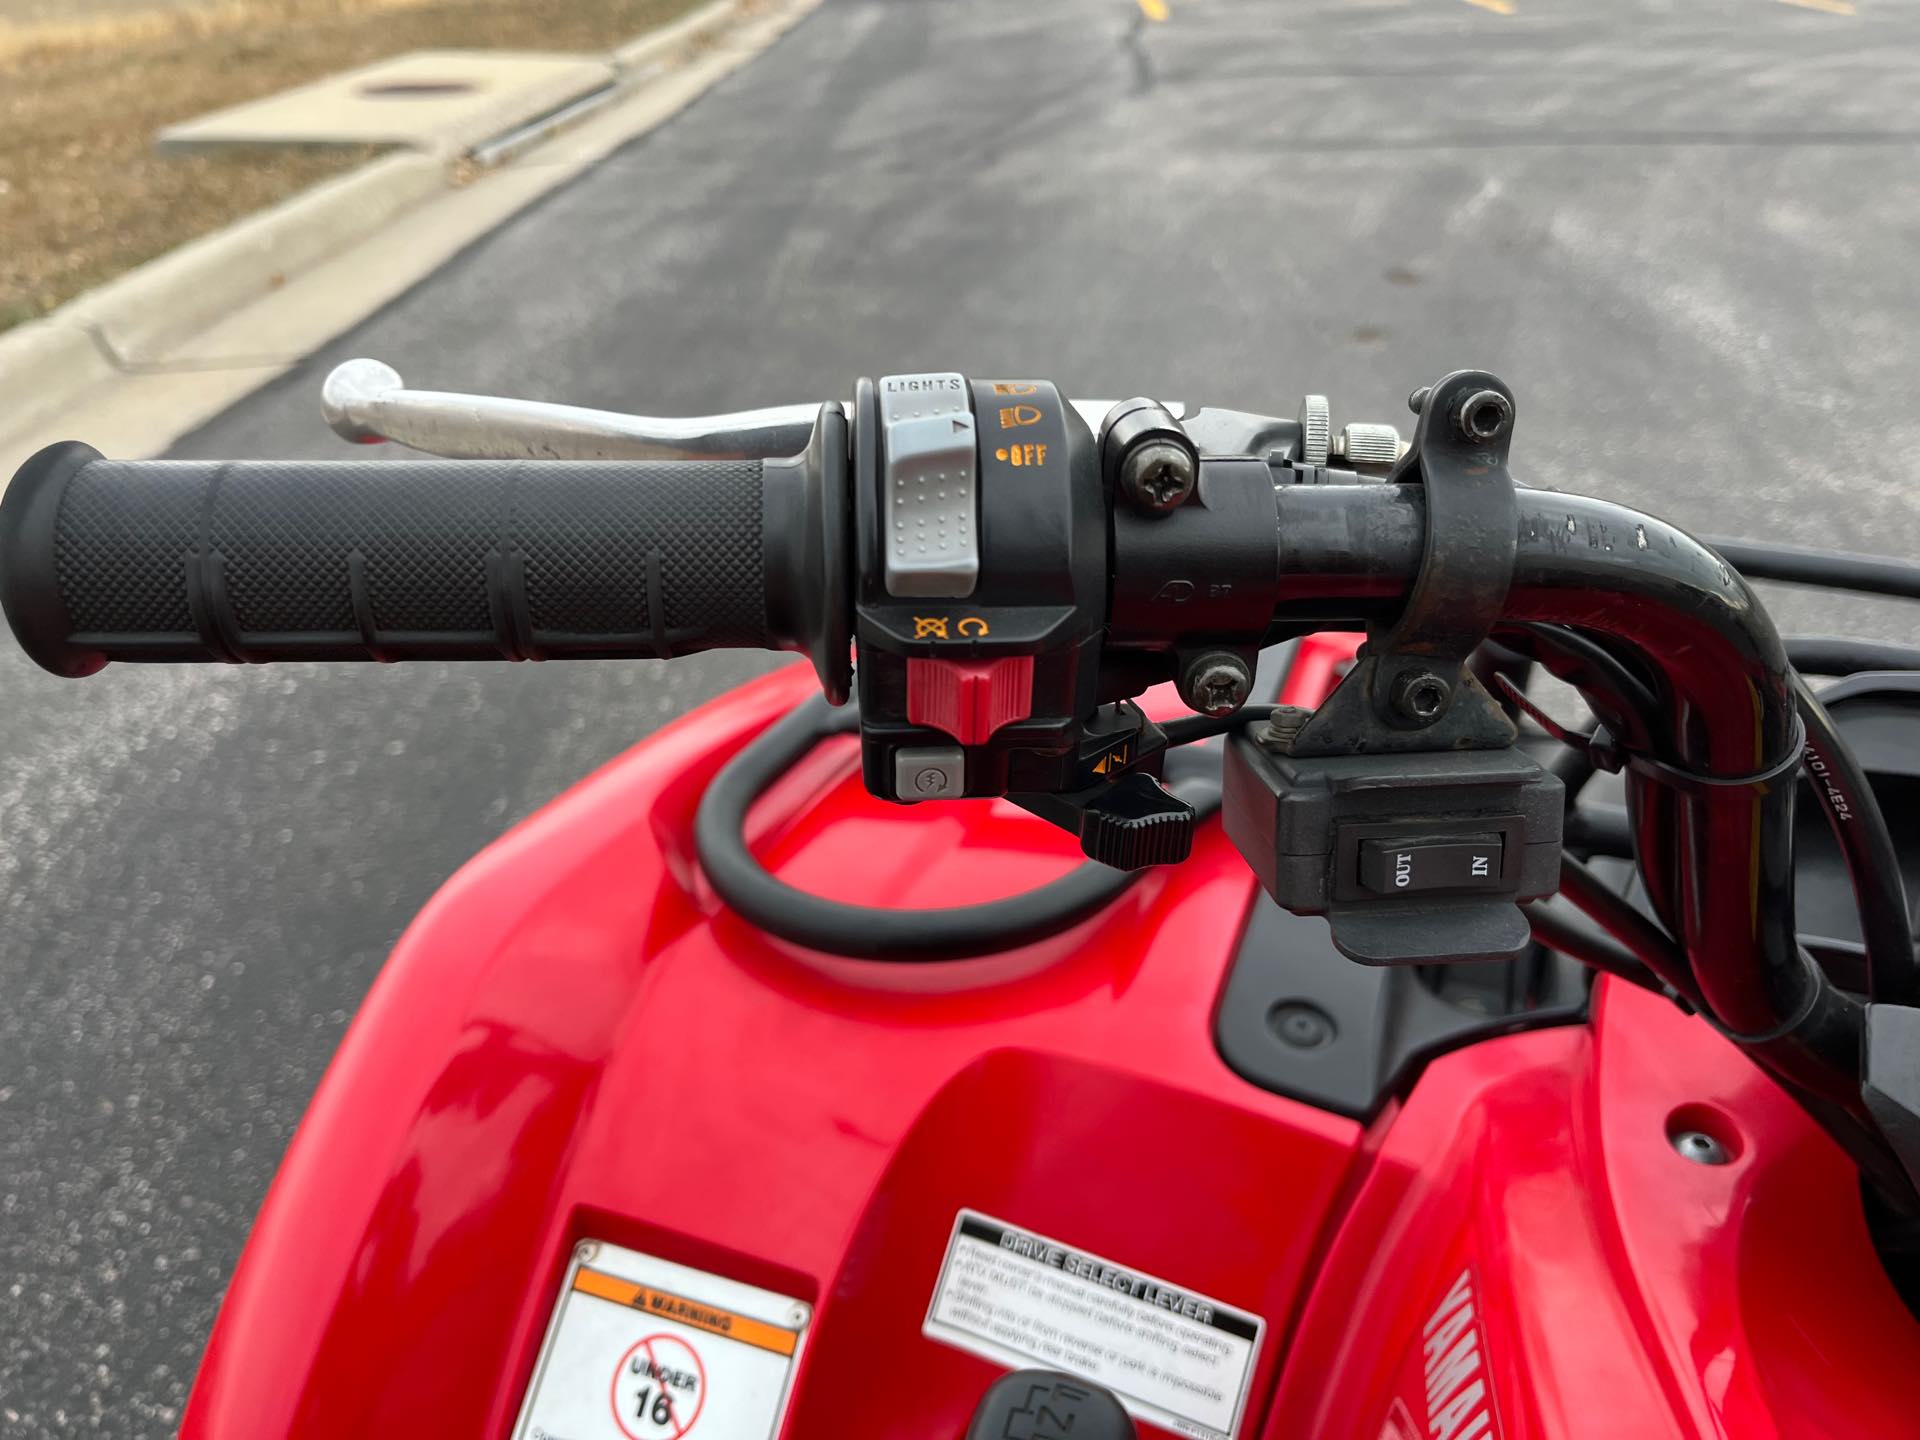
{"x":1402,"y":810}
{"x":1410,"y":690}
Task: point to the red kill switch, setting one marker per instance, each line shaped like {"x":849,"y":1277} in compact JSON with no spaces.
{"x":970,"y":699}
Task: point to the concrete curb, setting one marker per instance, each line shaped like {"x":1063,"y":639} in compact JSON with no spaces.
{"x":662,"y":44}
{"x":138,"y":315}
{"x":42,"y":364}
{"x":127,"y":326}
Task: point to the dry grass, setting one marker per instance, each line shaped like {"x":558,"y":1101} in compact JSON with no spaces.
{"x":83,"y":194}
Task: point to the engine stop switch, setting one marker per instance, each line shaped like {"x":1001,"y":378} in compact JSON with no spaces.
{"x":1415,"y":859}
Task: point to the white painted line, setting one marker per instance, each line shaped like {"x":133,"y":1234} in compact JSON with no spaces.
{"x":1825,"y":7}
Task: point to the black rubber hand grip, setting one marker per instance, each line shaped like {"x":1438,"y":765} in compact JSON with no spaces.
{"x":243,"y":562}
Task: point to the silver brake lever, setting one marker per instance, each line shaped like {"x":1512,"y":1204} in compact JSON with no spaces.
{"x":366,"y":401}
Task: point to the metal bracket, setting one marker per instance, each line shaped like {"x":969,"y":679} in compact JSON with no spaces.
{"x":1410,"y":690}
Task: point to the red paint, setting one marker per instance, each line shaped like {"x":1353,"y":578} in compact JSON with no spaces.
{"x":485,"y":1113}
{"x":1621,"y":1290}
{"x":1319,"y":663}
{"x":970,"y":699}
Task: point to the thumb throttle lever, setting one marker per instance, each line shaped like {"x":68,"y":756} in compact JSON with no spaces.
{"x":1133,"y":822}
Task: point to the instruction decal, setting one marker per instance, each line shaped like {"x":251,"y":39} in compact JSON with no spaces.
{"x":640,"y":1348}
{"x":1178,"y":1359}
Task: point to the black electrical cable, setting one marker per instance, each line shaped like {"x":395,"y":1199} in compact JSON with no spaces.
{"x":1841,"y":655}
{"x":1824,"y":1026}
{"x":1599,"y":830}
{"x":1845,"y":961}
{"x":1573,"y":769}
{"x":1625,"y":703}
{"x":1641,"y":937}
{"x":1189,"y":728}
{"x":911,"y":936}
{"x":1873,"y":863}
{"x":1554,"y":927}
{"x":1829,"y":569}
{"x":1840,"y":786}
{"x":1852,"y":812}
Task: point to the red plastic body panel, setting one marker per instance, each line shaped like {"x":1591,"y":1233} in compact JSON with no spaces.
{"x":574,"y":1039}
{"x":1620,"y":1289}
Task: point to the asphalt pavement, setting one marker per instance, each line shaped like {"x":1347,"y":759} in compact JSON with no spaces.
{"x":1683,"y":232}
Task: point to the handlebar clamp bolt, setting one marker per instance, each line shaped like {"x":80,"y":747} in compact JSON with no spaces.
{"x":1483,"y":416}
{"x":1157,"y":476}
{"x":1421,"y":696}
{"x":1216,"y":683}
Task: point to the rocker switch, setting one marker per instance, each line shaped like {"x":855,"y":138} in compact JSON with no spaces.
{"x":1453,"y":862}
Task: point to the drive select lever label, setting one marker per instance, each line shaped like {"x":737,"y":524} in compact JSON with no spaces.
{"x":1174,"y":1358}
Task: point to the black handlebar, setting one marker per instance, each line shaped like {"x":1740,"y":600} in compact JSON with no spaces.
{"x":104,"y":560}
{"x":1086,"y":592}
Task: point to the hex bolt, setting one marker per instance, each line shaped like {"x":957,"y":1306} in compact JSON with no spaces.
{"x":1216,"y":683}
{"x":1700,"y":1147}
{"x":1302,"y":1026}
{"x":1483,"y":416}
{"x":1283,"y":727}
{"x":1421,"y":696}
{"x":1417,"y":401}
{"x":1157,"y":476}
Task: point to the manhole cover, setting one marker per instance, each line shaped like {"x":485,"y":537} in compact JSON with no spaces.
{"x":445,"y":101}
{"x":417,"y":89}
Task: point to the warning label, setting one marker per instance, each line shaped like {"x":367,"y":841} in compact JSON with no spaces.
{"x":654,"y":1399}
{"x":642,"y":1349}
{"x":1173,"y":1357}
